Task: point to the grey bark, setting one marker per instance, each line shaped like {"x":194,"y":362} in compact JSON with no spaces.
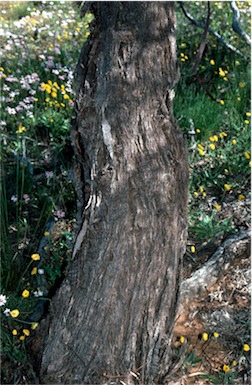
{"x":113,"y":316}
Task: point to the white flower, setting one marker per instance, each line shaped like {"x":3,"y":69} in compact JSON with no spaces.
{"x":41,"y":271}
{"x":38,"y":293}
{"x":2,"y":299}
{"x":7,"y":312}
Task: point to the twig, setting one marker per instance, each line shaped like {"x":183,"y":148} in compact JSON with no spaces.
{"x":235,"y":24}
{"x":199,"y":24}
{"x":203,"y":41}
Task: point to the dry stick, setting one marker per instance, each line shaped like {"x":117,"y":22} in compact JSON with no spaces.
{"x":199,"y":24}
{"x":235,"y":24}
{"x":203,"y":41}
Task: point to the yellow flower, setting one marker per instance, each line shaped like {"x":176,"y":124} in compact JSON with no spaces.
{"x":248,"y":114}
{"x":239,"y":99}
{"x":200,"y":146}
{"x":182,"y":339}
{"x":247,"y":155}
{"x":222,"y":102}
{"x":14,"y":313}
{"x":46,"y":233}
{"x":246,"y":121}
{"x":218,"y":207}
{"x":227,"y":187}
{"x":193,"y":249}
{"x":25,"y":294}
{"x":241,"y":85}
{"x":246,"y":348}
{"x":196,"y":194}
{"x":183,"y":45}
{"x":226,"y":368}
{"x":34,"y":271}
{"x":22,"y":338}
{"x":49,"y":82}
{"x":212,"y":62}
{"x":205,"y":336}
{"x":201,"y":189}
{"x":14,"y":332}
{"x":34,"y":325}
{"x":35,"y":257}
{"x":201,"y":152}
{"x":66,"y":96}
{"x":221,"y":72}
{"x":225,"y":78}
{"x":54,"y":95}
{"x":234,"y":363}
{"x":20,"y":129}
{"x":197,"y":130}
{"x":216,"y":335}
{"x":241,"y":197}
{"x":26,"y":332}
{"x":234,"y":141}
{"x":204,"y":194}
{"x":212,"y":146}
{"x":211,"y":139}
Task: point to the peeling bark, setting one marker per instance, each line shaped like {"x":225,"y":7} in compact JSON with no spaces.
{"x":114,"y":313}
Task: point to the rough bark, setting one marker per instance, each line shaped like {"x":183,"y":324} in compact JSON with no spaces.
{"x":114,"y":313}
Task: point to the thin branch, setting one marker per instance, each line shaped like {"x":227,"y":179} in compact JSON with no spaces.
{"x":203,"y":41}
{"x":235,"y":24}
{"x":199,"y":24}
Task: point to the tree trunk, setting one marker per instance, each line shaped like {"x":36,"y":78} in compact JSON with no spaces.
{"x":114,"y":313}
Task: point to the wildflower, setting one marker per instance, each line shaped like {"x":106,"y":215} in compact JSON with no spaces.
{"x":218,"y":207}
{"x":193,"y":249}
{"x":248,"y":114}
{"x":196,"y":194}
{"x":66,"y":96}
{"x":41,"y":271}
{"x":200,"y":146}
{"x":34,"y":271}
{"x":38,"y":293}
{"x":20,"y":129}
{"x":183,"y":45}
{"x":49,"y":174}
{"x":234,"y":363}
{"x":46,"y":233}
{"x":182,"y":339}
{"x":247,"y":155}
{"x":222,"y":102}
{"x":7,"y":312}
{"x":201,"y":189}
{"x":204,"y":194}
{"x":227,"y":187}
{"x":35,"y":257}
{"x":14,"y":313}
{"x":246,"y":121}
{"x":216,"y":335}
{"x":221,"y":72}
{"x":2,"y":299}
{"x":226,"y":368}
{"x":201,"y":152}
{"x":212,"y":146}
{"x":212,"y":62}
{"x":25,"y":293}
{"x":246,"y":348}
{"x":225,"y":78}
{"x":26,"y":198}
{"x":241,"y":85}
{"x":22,"y":338}
{"x":54,"y":95}
{"x":59,"y":214}
{"x":239,"y":99}
{"x":241,"y":197}
{"x":197,"y":130}
{"x":205,"y":336}
{"x":14,"y":332}
{"x":34,"y":325}
{"x":26,"y":332}
{"x":234,"y":141}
